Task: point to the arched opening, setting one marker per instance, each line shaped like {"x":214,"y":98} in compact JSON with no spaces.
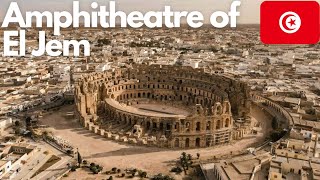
{"x":219,"y":109}
{"x":148,"y":125}
{"x":154,"y":125}
{"x":208,"y":126}
{"x":198,"y":126}
{"x":227,"y":108}
{"x":198,"y":142}
{"x":176,"y":143}
{"x":168,"y":126}
{"x":218,"y":124}
{"x":227,"y":122}
{"x":176,"y":127}
{"x":187,"y":143}
{"x":208,"y":142}
{"x":187,"y":126}
{"x":161,"y":126}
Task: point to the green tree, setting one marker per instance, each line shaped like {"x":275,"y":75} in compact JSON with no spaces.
{"x":142,"y":174}
{"x":185,"y":161}
{"x":17,"y":123}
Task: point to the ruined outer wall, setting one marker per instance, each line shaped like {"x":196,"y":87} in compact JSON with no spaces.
{"x":211,"y":125}
{"x":97,"y":86}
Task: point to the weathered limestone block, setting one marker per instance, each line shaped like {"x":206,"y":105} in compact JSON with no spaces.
{"x":137,"y":131}
{"x":101,"y":132}
{"x":129,"y":134}
{"x":163,"y":138}
{"x":87,"y":124}
{"x":91,"y":126}
{"x":95,"y":129}
{"x":132,"y":141}
{"x":108,"y":135}
{"x":124,"y":139}
{"x":142,"y":141}
{"x":115,"y":137}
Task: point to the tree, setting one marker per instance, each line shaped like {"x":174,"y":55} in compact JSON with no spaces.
{"x":162,"y":177}
{"x":114,"y":169}
{"x":142,"y":174}
{"x":189,"y":157}
{"x":73,"y":168}
{"x":185,"y":161}
{"x":94,"y":170}
{"x":198,"y":155}
{"x":17,"y":123}
{"x":28,"y":121}
{"x":176,"y":170}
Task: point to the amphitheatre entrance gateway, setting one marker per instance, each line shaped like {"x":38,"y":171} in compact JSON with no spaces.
{"x":165,"y":106}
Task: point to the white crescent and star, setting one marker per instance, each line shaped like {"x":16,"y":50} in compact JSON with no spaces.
{"x":294,"y":21}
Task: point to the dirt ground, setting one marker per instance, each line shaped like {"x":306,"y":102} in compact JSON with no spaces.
{"x":109,"y":154}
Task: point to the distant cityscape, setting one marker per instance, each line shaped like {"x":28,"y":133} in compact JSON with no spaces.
{"x":176,"y":103}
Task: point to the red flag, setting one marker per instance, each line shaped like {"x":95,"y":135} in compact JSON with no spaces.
{"x":289,"y":22}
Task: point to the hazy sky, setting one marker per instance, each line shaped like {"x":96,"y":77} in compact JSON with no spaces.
{"x":249,"y":9}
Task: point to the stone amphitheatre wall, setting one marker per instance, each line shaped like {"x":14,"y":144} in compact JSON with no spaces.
{"x":215,"y":99}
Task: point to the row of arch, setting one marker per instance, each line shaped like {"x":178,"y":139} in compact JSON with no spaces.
{"x":169,"y":124}
{"x":150,"y":86}
{"x":187,"y":143}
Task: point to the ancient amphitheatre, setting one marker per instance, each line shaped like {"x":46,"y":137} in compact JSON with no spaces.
{"x":139,"y":126}
{"x":164,"y":106}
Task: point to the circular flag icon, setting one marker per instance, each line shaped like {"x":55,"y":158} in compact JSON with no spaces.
{"x":290,"y":22}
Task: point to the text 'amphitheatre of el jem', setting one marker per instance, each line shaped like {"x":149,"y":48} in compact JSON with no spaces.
{"x":164,"y":106}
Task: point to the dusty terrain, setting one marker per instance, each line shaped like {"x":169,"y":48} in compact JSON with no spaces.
{"x":95,"y":148}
